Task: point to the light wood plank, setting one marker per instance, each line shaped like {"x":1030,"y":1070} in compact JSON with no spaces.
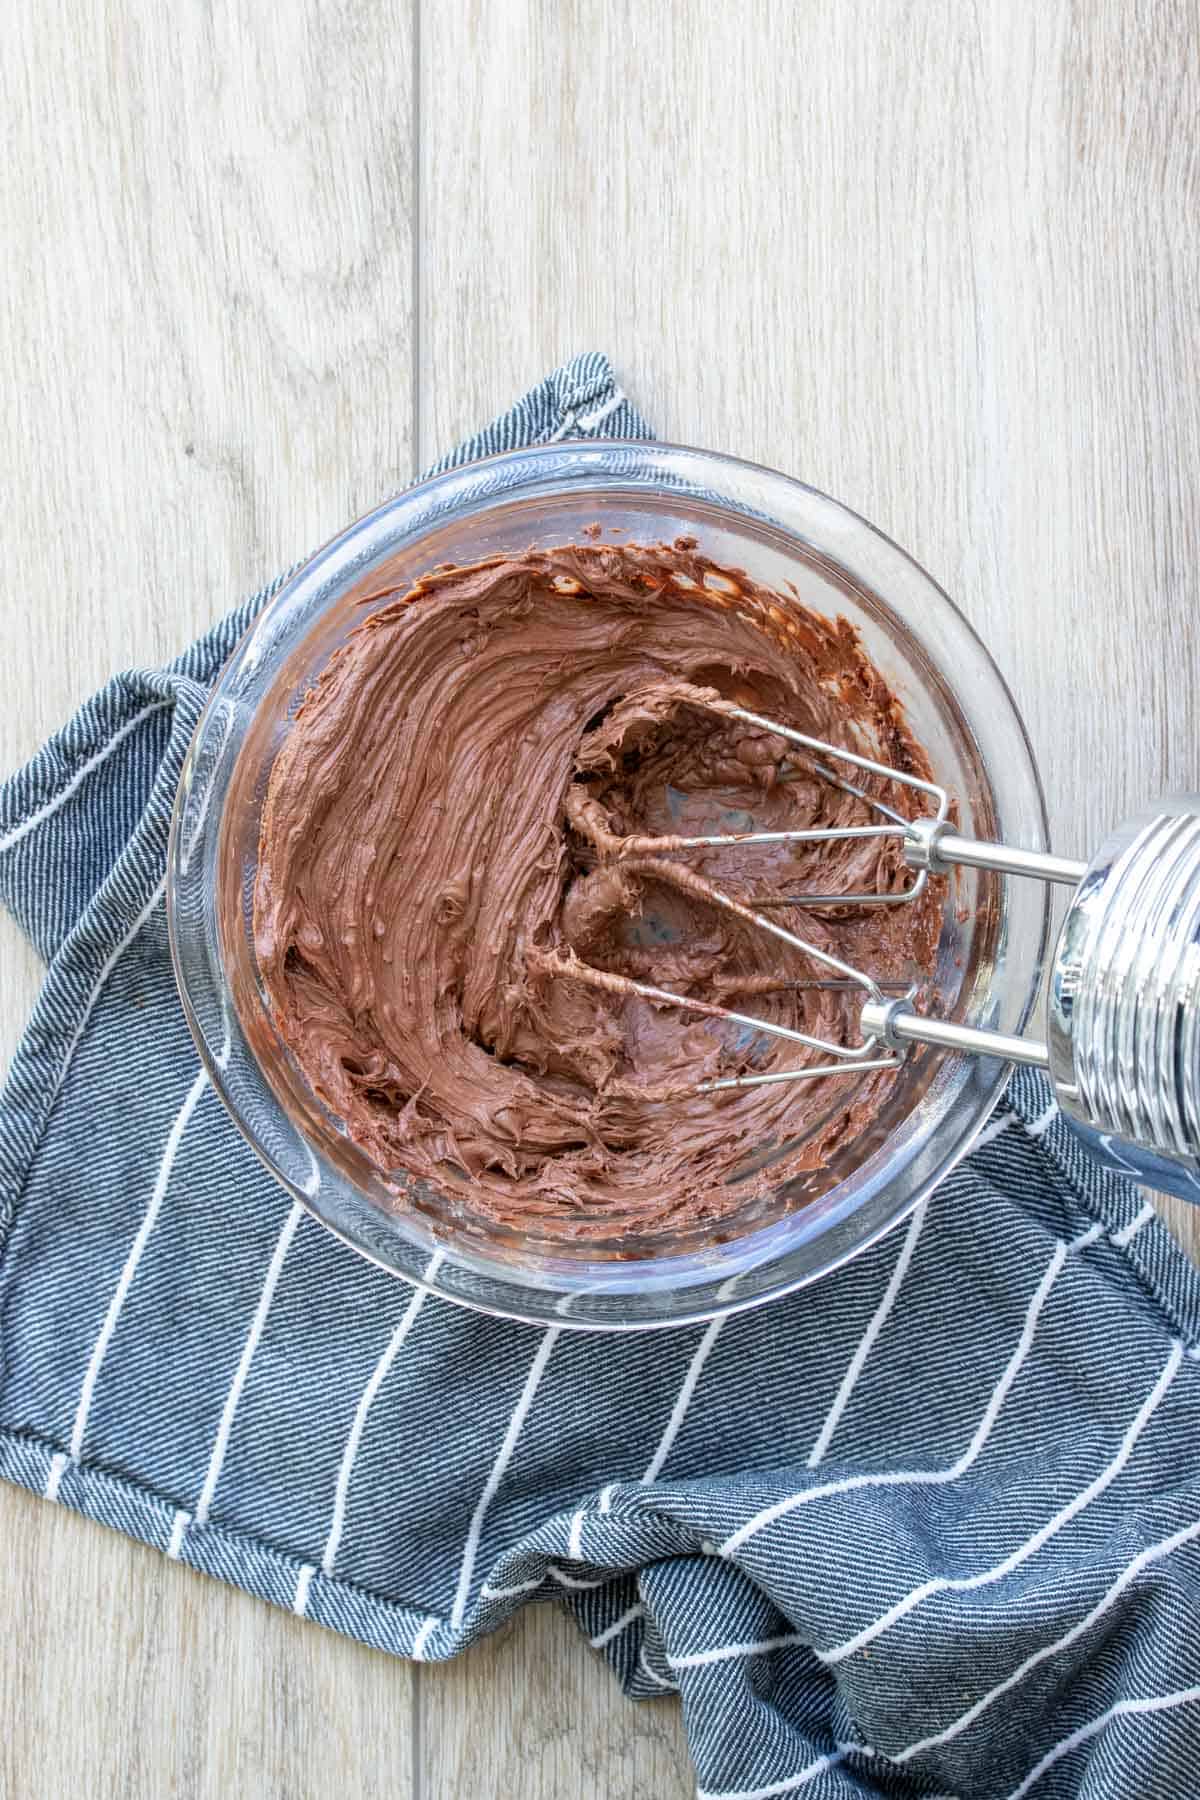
{"x":125,"y":1674}
{"x":534,"y":1712}
{"x":205,"y":341}
{"x":205,"y":362}
{"x":937,"y":260}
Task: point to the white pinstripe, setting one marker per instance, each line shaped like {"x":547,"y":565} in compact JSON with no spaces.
{"x":854,"y":1367}
{"x":653,"y":1674}
{"x":704,"y":1659}
{"x":941,"y":1584}
{"x":1152,"y":1704}
{"x":589,"y":421}
{"x":575,"y":1537}
{"x":509,"y":1593}
{"x":573,"y":1582}
{"x":636,"y":1611}
{"x":125,"y":1279}
{"x":54,"y":1475}
{"x":81,"y":774}
{"x":303,"y":1584}
{"x":233,"y":1397}
{"x":994,"y":1129}
{"x":683,"y":1399}
{"x":923,"y":1477}
{"x":1142,"y":1217}
{"x":421,"y":1641}
{"x":585,"y":421}
{"x":1154,"y":1553}
{"x":503,"y":1456}
{"x":366,"y":1401}
{"x":179,"y":1525}
{"x":788,"y":1785}
{"x":113,"y":958}
{"x":1041,"y":1125}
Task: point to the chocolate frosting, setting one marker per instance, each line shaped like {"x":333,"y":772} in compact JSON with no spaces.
{"x":455,"y":887}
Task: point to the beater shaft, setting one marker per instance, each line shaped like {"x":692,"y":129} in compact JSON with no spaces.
{"x":930,"y":844}
{"x":896,"y":1023}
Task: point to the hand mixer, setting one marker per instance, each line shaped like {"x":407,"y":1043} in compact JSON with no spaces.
{"x":1123,"y":1049}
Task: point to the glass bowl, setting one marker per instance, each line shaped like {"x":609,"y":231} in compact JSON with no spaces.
{"x":993,"y":934}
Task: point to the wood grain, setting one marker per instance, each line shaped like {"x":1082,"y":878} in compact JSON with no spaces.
{"x":205,"y":348}
{"x":937,"y":259}
{"x":533,"y":1713}
{"x":125,"y":1674}
{"x":205,"y":369}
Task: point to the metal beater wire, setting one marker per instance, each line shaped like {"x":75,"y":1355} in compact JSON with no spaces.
{"x":850,"y":1059}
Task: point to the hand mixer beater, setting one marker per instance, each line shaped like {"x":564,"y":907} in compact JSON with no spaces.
{"x":1123,"y":1047}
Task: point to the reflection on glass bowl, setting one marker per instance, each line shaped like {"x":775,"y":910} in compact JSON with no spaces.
{"x":989,"y":956}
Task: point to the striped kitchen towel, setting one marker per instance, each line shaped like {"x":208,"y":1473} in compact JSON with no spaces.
{"x":929,"y":1527}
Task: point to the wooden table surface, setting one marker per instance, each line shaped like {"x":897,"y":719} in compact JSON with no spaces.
{"x":261,"y":263}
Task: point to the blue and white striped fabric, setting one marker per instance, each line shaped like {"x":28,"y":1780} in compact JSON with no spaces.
{"x":930,"y":1527}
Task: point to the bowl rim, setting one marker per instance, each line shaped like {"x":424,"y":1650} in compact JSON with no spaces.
{"x":509,"y":1283}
